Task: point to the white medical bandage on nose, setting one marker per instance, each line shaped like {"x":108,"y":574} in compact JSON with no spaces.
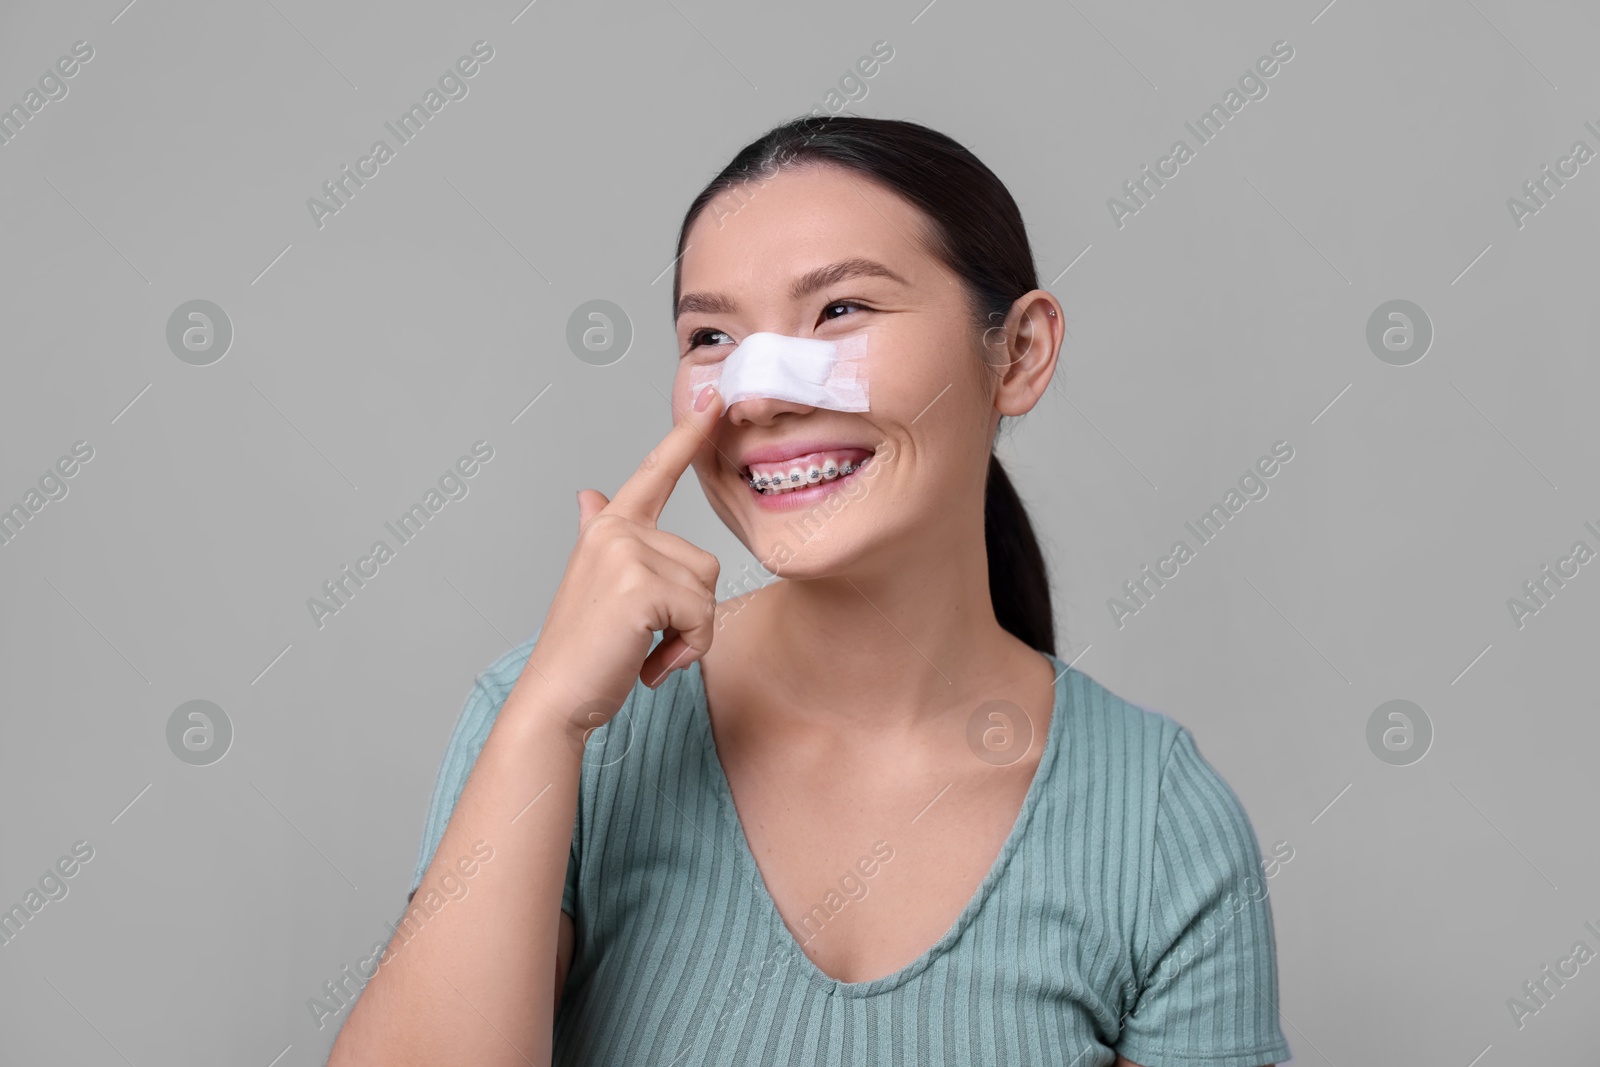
{"x":804,"y":370}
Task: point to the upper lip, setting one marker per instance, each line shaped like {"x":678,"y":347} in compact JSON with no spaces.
{"x":785,"y":450}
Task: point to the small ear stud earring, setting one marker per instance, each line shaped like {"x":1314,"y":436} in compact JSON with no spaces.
{"x":1052,"y":313}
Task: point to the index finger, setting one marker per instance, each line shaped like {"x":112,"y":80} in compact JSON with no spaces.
{"x":645,"y":493}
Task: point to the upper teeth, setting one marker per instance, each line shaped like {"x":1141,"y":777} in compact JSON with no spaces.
{"x":810,"y":474}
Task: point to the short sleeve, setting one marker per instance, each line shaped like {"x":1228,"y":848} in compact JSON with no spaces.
{"x":477,"y":716}
{"x":1207,"y":966}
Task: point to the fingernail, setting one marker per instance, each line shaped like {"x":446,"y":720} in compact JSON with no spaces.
{"x":704,"y":399}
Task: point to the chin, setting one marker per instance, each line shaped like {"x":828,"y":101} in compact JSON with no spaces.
{"x":799,"y":550}
{"x":811,"y":532}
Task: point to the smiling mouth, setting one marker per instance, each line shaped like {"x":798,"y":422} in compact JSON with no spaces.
{"x":804,"y":472}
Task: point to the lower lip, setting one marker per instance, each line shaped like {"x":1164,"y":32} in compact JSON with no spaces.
{"x":799,"y":498}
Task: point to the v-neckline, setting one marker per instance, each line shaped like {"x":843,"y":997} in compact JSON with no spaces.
{"x":745,"y":856}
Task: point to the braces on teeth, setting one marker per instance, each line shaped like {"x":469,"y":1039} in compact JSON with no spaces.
{"x":812,"y":476}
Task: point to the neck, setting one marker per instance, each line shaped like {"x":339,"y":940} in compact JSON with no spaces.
{"x":910,"y":637}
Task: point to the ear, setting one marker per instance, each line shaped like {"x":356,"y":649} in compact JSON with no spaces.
{"x":1032,"y":346}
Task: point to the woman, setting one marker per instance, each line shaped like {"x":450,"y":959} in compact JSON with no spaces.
{"x":864,"y":814}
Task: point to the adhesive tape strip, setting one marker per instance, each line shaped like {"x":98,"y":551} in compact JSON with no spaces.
{"x":803,"y":370}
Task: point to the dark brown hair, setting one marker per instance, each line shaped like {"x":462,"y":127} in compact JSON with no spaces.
{"x":974,"y":227}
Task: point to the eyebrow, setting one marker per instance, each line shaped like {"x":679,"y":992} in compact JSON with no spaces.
{"x":806,"y":284}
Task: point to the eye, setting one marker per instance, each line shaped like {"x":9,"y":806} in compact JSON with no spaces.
{"x":841,"y":304}
{"x":696,"y":339}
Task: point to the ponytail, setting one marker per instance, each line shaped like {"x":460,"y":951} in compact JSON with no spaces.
{"x":1019,"y":585}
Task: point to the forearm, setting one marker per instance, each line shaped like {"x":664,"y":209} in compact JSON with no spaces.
{"x":474,"y":981}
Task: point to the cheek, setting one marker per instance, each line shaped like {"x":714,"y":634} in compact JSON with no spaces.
{"x":910,"y":371}
{"x":898,"y":392}
{"x":682,"y":391}
{"x":708,"y":473}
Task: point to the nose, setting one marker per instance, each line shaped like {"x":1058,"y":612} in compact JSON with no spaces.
{"x":762,"y":410}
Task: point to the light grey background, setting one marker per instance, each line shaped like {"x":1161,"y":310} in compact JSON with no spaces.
{"x":369,"y":354}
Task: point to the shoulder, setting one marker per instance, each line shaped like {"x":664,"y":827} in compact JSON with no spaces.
{"x":481,"y":707}
{"x":604,"y":747}
{"x":1155,"y":761}
{"x":1112,"y":743}
{"x":1136,"y":776}
{"x":467,"y":738}
{"x":646,"y":716}
{"x":1197,"y":981}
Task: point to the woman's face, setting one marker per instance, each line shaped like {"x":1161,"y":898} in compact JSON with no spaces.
{"x":795,"y":256}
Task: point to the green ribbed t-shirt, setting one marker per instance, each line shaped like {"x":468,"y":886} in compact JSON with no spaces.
{"x":1126,"y":912}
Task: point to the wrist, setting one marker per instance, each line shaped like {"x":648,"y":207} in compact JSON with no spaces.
{"x":552,"y":713}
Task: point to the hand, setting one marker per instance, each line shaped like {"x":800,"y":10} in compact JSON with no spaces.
{"x":626,"y":579}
